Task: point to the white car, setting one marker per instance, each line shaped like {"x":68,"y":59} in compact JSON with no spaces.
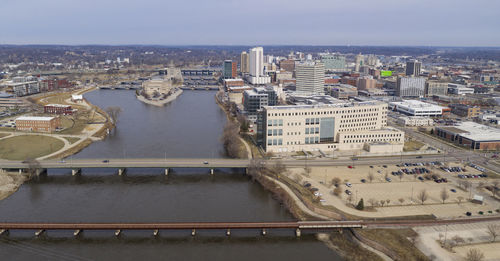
{"x":348,"y":184}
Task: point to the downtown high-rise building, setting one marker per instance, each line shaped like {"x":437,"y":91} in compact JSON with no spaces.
{"x":256,"y":67}
{"x":413,"y":68}
{"x":310,"y":77}
{"x":230,"y":69}
{"x":358,"y":62}
{"x":333,"y":62}
{"x":410,"y":87}
{"x":244,"y":62}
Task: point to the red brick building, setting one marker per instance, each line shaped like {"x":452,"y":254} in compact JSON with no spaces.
{"x":58,"y":109}
{"x":37,"y":124}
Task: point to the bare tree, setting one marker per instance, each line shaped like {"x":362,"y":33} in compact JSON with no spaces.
{"x":382,"y":202}
{"x":444,"y":195}
{"x":495,"y":187}
{"x":336,"y":181}
{"x":33,"y":166}
{"x":255,"y":167}
{"x":460,"y":198}
{"x":474,"y":255}
{"x":113,"y":112}
{"x":370,"y":177}
{"x":307,"y":171}
{"x":337,"y":191}
{"x":372,"y":202}
{"x":401,"y":200}
{"x":387,"y":201}
{"x":422,"y":196}
{"x":493,"y":230}
{"x":278,"y":168}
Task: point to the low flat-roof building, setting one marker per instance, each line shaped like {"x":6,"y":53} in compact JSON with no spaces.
{"x":472,"y":135}
{"x":464,"y":110}
{"x":415,"y":121}
{"x":344,"y":91}
{"x":233,"y":83}
{"x":37,"y":124}
{"x":417,"y":108}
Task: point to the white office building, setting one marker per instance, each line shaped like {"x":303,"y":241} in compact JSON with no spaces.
{"x":256,"y":64}
{"x":310,"y":77}
{"x":329,"y":127}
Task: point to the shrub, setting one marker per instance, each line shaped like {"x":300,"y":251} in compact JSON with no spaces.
{"x":361,"y":205}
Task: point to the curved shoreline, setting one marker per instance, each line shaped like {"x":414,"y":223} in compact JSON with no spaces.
{"x":160,"y":103}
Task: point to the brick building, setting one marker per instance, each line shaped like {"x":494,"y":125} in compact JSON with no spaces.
{"x":58,"y":109}
{"x":37,"y":124}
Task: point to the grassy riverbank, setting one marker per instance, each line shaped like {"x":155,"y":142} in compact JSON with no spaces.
{"x":28,"y":147}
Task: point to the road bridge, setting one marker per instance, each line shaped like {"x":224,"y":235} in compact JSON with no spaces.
{"x":167,"y":163}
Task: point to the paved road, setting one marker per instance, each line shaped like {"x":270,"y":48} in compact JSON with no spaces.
{"x":214,"y":163}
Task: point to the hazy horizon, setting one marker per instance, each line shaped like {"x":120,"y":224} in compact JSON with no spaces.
{"x":423,"y":23}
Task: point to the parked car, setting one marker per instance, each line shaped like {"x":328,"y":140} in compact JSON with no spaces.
{"x":348,"y":184}
{"x":453,"y":190}
{"x":388,"y":179}
{"x":363,"y":180}
{"x":348,"y":192}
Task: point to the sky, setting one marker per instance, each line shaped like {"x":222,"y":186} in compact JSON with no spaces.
{"x":251,"y":22}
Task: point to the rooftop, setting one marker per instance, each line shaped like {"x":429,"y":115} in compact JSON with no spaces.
{"x":324,"y":106}
{"x":416,"y":104}
{"x":58,"y":105}
{"x":34,"y":118}
{"x":475,"y":131}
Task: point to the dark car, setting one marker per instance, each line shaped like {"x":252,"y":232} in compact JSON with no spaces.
{"x":468,"y":213}
{"x":453,"y":190}
{"x":348,"y":192}
{"x":105,"y":161}
{"x":419,"y":157}
{"x":363,"y":180}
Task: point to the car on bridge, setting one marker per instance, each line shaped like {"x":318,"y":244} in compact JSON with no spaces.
{"x":105,"y":161}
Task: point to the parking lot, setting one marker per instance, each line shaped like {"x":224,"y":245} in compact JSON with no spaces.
{"x":395,"y":189}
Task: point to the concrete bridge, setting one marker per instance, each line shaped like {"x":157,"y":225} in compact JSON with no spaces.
{"x":298,"y":226}
{"x":121,"y":87}
{"x":167,"y":163}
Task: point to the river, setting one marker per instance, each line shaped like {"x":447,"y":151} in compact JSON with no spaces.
{"x":188,"y":127}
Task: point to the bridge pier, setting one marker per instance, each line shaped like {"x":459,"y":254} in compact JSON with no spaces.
{"x":211,"y":171}
{"x":166,"y":172}
{"x":297,"y":232}
{"x":156,"y":232}
{"x":39,"y":232}
{"x":20,"y":171}
{"x":121,"y":171}
{"x":193,"y":232}
{"x":77,"y":232}
{"x":228,"y":232}
{"x":264,"y":232}
{"x":75,"y":172}
{"x":118,"y":232}
{"x":41,"y":171}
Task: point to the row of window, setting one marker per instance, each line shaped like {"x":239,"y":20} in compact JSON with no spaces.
{"x":275,"y":122}
{"x":311,"y":140}
{"x":368,"y":140}
{"x":311,"y":121}
{"x":275,"y":132}
{"x":274,"y":142}
{"x":312,"y":130}
{"x":323,"y":112}
{"x":373,"y":135}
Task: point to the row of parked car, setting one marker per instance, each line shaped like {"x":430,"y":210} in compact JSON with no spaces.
{"x":477,"y":167}
{"x":453,"y":169}
{"x":413,"y":171}
{"x":462,"y":176}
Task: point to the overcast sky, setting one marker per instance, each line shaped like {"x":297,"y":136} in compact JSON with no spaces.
{"x":251,"y":22}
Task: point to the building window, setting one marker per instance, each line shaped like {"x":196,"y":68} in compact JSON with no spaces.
{"x":280,"y":122}
{"x":280,"y":142}
{"x":307,"y":130}
{"x":269,"y":123}
{"x":307,"y":140}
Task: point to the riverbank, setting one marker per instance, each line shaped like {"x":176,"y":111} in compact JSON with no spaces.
{"x":10,"y":183}
{"x":163,"y":102}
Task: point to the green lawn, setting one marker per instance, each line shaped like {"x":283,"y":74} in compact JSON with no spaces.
{"x":28,"y":146}
{"x":3,"y":135}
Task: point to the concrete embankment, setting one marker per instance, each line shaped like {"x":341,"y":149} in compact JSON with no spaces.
{"x":170,"y":98}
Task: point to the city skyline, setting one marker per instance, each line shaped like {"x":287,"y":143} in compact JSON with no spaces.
{"x":153,"y":22}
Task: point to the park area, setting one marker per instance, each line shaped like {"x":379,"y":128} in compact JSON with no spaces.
{"x":28,"y":146}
